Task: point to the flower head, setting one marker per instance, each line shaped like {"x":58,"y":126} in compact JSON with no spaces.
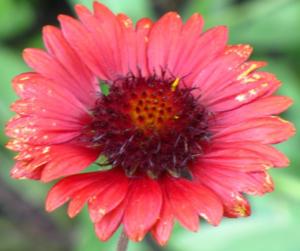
{"x":186,"y":127}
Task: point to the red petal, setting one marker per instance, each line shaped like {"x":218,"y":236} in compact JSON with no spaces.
{"x":182,"y":208}
{"x":82,"y":41}
{"x":269,"y":130}
{"x":185,"y":45}
{"x":163,"y":40}
{"x":163,"y":228}
{"x":267,"y":152}
{"x":106,"y":32}
{"x":62,"y":191}
{"x":235,"y":205}
{"x":239,"y":93}
{"x":204,"y":201}
{"x":112,"y":194}
{"x":260,"y":108}
{"x":235,"y":159}
{"x":67,"y":160}
{"x":109,"y":223}
{"x":45,"y":95}
{"x":143,"y":208}
{"x":219,"y":178}
{"x":81,"y":197}
{"x":221,"y":72}
{"x":143,"y":28}
{"x":85,"y":85}
{"x":205,"y":48}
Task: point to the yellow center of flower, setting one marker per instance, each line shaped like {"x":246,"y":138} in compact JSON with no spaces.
{"x":152,"y":109}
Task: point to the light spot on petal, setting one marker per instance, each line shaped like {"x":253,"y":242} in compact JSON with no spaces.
{"x":241,"y":97}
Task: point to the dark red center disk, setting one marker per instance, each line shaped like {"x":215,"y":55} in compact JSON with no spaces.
{"x":149,"y":126}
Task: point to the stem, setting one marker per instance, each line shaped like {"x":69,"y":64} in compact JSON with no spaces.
{"x":123,"y":242}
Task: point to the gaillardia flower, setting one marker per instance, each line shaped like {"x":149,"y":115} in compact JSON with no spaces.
{"x":185,"y":129}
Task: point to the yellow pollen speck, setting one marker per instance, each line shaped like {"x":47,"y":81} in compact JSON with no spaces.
{"x":176,"y":117}
{"x":175,"y":84}
{"x":241,"y":210}
{"x":256,"y":76}
{"x":246,"y":72}
{"x":264,"y":85}
{"x":253,"y":92}
{"x":24,"y":78}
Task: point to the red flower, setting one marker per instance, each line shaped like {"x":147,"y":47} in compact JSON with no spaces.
{"x":187,"y":125}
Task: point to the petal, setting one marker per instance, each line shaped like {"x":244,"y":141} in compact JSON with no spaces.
{"x":143,"y":28}
{"x":83,"y":42}
{"x":107,"y":34}
{"x":107,"y":199}
{"x":198,"y":198}
{"x":222,"y":71}
{"x":266,"y":106}
{"x":163,"y":228}
{"x":49,"y":67}
{"x":267,"y":152}
{"x":269,"y":130}
{"x":143,"y":208}
{"x":85,"y":86}
{"x":46,"y":95}
{"x":81,"y":197}
{"x":163,"y":40}
{"x":240,"y":93}
{"x":66,"y":188}
{"x":41,"y":131}
{"x":67,"y":160}
{"x":234,"y":204}
{"x":254,"y":183}
{"x":128,"y":49}
{"x":235,"y":158}
{"x":110,"y":223}
{"x":206,"y":48}
{"x":185,"y":44}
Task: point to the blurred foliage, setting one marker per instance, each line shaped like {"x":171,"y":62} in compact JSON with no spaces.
{"x":271,"y":26}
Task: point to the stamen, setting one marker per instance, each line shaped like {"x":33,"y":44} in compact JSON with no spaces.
{"x":175,"y":84}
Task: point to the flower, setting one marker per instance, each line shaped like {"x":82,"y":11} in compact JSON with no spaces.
{"x":185,"y":129}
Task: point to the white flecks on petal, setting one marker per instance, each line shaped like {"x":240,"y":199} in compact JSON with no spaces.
{"x":241,"y":97}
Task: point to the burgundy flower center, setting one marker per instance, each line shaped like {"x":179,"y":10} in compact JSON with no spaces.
{"x":149,"y":126}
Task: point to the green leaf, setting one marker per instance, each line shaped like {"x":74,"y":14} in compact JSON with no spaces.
{"x":15,"y":16}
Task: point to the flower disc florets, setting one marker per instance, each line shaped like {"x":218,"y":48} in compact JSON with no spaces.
{"x":149,"y":126}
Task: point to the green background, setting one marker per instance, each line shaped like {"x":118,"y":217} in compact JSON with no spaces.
{"x":271,"y":26}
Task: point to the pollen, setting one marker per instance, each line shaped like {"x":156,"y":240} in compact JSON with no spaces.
{"x":152,"y":109}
